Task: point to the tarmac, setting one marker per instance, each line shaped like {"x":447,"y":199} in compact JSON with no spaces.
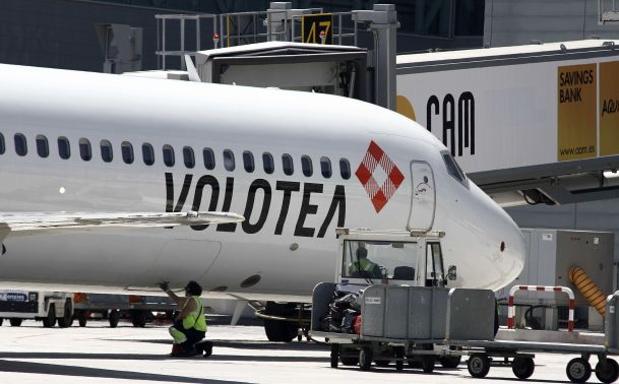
{"x":99,"y":354}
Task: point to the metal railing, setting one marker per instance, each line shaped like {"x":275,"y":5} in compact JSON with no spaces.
{"x":186,"y":34}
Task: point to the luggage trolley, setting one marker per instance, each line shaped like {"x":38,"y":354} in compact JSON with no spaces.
{"x":521,"y":344}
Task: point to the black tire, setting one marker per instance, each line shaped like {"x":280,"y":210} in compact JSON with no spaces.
{"x":450,"y":361}
{"x":1,"y":320}
{"x":281,"y":330}
{"x":427,"y":364}
{"x":67,"y":320}
{"x":15,"y":322}
{"x":114,"y":318}
{"x":478,"y":365}
{"x":138,"y":319}
{"x":523,"y":367}
{"x":335,"y":355}
{"x":349,"y":360}
{"x":399,"y":358}
{"x":365,"y":359}
{"x":607,"y":372}
{"x":50,"y":320}
{"x":82,"y":320}
{"x":578,"y":370}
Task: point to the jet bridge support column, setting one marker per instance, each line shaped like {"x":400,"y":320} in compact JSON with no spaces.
{"x":383,"y":23}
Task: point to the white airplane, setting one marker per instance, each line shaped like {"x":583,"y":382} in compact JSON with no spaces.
{"x":84,"y":157}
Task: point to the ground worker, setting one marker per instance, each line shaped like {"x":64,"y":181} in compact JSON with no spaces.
{"x":190,"y":324}
{"x":364,"y":267}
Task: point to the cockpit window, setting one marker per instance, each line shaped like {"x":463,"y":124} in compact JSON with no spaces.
{"x":453,"y":168}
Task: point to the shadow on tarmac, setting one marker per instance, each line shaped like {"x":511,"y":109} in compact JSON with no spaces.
{"x":69,"y":370}
{"x":152,"y":357}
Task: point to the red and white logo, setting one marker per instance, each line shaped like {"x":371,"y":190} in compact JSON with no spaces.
{"x":379,"y":175}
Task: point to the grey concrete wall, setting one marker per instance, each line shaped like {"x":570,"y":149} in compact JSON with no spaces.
{"x":510,"y":22}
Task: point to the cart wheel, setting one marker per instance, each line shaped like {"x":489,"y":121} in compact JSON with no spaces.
{"x":114,"y":318}
{"x":335,"y":355}
{"x":523,"y":367}
{"x":607,"y":372}
{"x":427,"y":364}
{"x":578,"y":370}
{"x":478,"y":365}
{"x":365,"y":359}
{"x":450,"y":361}
{"x":399,"y":359}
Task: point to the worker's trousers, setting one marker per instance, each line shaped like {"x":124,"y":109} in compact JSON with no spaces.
{"x":185,"y":337}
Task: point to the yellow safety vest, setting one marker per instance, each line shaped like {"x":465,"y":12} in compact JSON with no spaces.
{"x":196,"y":318}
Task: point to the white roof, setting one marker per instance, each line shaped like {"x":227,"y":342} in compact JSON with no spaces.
{"x":499,"y":51}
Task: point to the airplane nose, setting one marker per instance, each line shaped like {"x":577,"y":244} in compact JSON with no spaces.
{"x":500,"y":240}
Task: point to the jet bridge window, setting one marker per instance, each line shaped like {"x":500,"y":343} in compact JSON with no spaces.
{"x":1,"y":144}
{"x":248,"y":161}
{"x":229,"y":163}
{"x":287,"y":164}
{"x":394,"y":260}
{"x":306,"y":166}
{"x":344,"y":169}
{"x":452,"y":167}
{"x":127,"y":151}
{"x":148,"y":154}
{"x":188,"y":157}
{"x":21,"y":147}
{"x":325,"y":167}
{"x":85,"y":149}
{"x":64,"y":149}
{"x":168,"y":155}
{"x":268,"y":163}
{"x":107,"y":154}
{"x":42,"y":146}
{"x":209,"y":158}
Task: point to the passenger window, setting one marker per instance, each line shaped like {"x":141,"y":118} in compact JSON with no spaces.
{"x":64,"y":150}
{"x":127,"y":151}
{"x":107,"y":153}
{"x":344,"y":169}
{"x":188,"y":157}
{"x":148,"y":154}
{"x":209,"y":158}
{"x":21,"y":148}
{"x":287,"y":164}
{"x":229,"y":160}
{"x":325,"y":167}
{"x":1,"y":144}
{"x":248,"y":161}
{"x":168,"y":155}
{"x":452,"y":167}
{"x":306,"y":165}
{"x":42,"y":146}
{"x":85,"y":149}
{"x":268,"y":163}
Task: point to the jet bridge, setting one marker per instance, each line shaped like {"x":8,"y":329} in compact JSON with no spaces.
{"x":529,"y":124}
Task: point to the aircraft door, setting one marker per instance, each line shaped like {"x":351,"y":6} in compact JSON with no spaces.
{"x":423,"y":199}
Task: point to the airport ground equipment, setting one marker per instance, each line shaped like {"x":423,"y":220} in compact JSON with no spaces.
{"x":137,"y":309}
{"x":551,"y":254}
{"x":511,"y":311}
{"x":48,"y":307}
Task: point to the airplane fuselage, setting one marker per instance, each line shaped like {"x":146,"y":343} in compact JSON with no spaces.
{"x":286,"y":243}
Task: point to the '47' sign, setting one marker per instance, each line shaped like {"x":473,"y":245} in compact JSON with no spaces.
{"x":317,"y":29}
